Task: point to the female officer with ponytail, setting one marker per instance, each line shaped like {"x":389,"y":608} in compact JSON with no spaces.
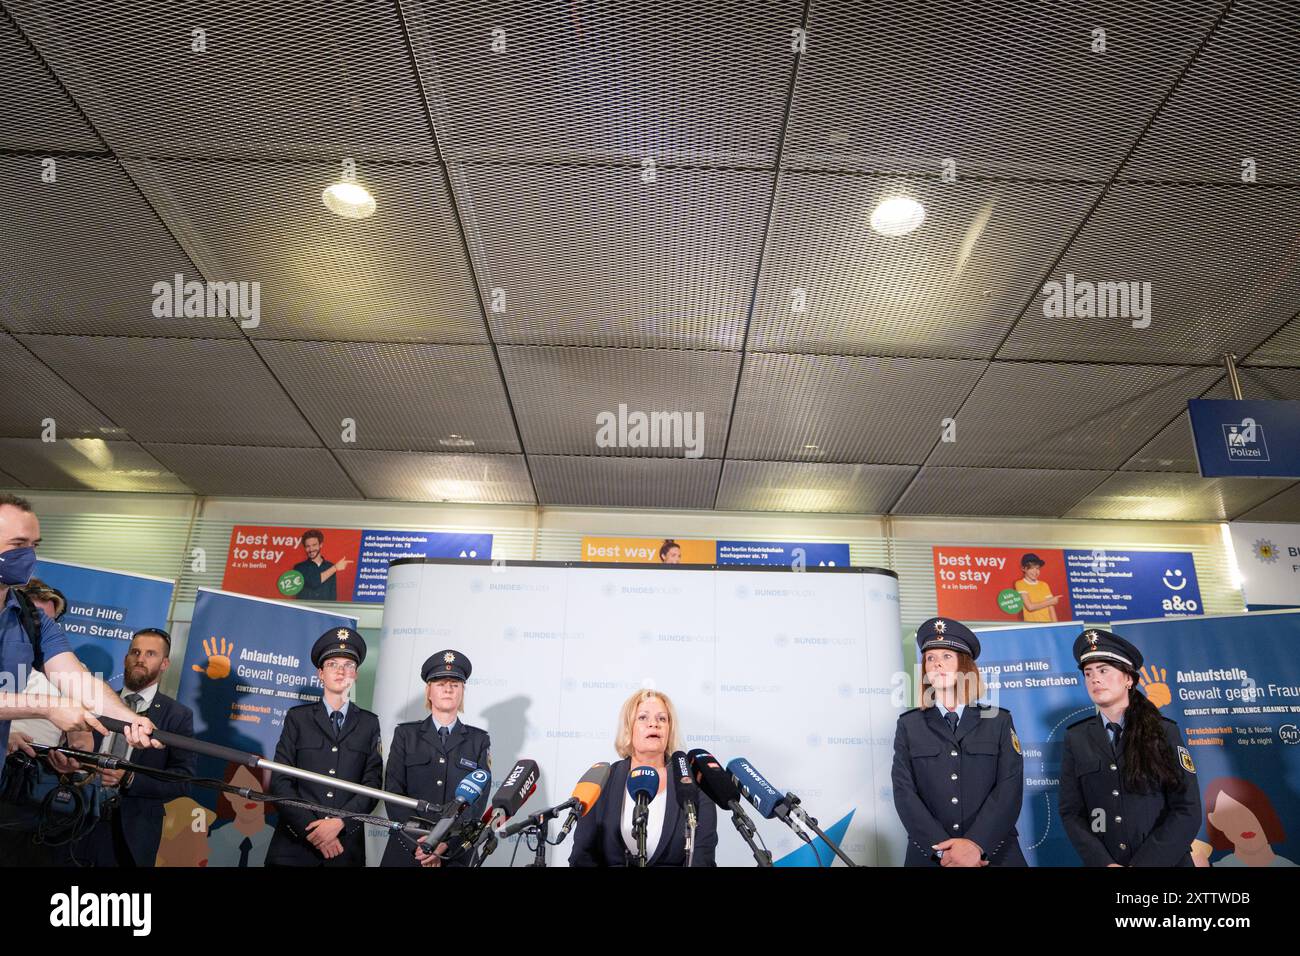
{"x":1129,"y":795}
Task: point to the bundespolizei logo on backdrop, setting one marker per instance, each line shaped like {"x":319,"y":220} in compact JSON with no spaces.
{"x":1245,"y":440}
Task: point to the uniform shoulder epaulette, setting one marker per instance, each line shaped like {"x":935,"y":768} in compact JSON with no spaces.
{"x":912,"y":711}
{"x":1083,"y":721}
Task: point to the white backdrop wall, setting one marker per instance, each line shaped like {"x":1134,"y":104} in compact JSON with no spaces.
{"x":793,"y":670}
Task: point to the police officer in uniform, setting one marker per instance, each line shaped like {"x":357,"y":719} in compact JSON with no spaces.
{"x":335,"y":737}
{"x":1129,"y":795}
{"x":958,"y":770}
{"x":430,"y":757}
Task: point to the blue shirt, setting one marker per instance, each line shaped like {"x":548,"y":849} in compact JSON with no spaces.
{"x":329,"y":711}
{"x":1104,"y":722}
{"x":450,"y":727}
{"x":18,"y":656}
{"x":944,"y":711}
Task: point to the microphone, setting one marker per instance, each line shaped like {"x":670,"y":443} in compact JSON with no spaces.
{"x":687,"y":793}
{"x":770,"y":804}
{"x":767,"y":800}
{"x":721,"y":789}
{"x":510,"y":796}
{"x":585,"y":793}
{"x":467,"y":793}
{"x":642,"y":786}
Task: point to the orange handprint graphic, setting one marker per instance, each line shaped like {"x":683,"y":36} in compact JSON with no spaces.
{"x":218,"y":658}
{"x":1153,"y":682}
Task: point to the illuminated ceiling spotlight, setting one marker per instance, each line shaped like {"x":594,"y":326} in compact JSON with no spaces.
{"x":897,"y":216}
{"x":349,"y":200}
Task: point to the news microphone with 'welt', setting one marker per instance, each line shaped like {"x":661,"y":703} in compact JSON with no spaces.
{"x":510,"y":796}
{"x":585,"y":794}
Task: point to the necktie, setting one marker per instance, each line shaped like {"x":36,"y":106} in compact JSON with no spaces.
{"x":1115,"y":730}
{"x":951,"y":717}
{"x":118,"y":746}
{"x":337,"y":717}
{"x":443,"y":734}
{"x":245,"y":847}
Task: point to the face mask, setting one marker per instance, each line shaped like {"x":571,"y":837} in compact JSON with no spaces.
{"x":17,"y":566}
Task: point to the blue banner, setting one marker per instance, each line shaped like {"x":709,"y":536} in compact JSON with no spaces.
{"x":1246,"y":439}
{"x":380,"y":548}
{"x":1109,"y":585}
{"x":104,"y":609}
{"x":1231,"y":682}
{"x":247,"y":661}
{"x":784,"y":553}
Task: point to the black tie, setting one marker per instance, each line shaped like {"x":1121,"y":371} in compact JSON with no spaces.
{"x":951,"y":717}
{"x":443,"y":734}
{"x":1115,"y":730}
{"x":245,"y":847}
{"x":337,"y":717}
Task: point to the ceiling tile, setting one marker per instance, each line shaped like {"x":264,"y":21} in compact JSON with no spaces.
{"x":882,"y":410}
{"x":405,"y":397}
{"x":244,"y":471}
{"x":564,"y":396}
{"x":811,"y":487}
{"x":213,"y":391}
{"x":625,"y":482}
{"x":87,"y":464}
{"x":1144,"y":496}
{"x":414,"y":476}
{"x":1075,"y":417}
{"x":1027,"y":492}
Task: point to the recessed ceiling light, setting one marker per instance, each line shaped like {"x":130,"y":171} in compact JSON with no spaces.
{"x":897,"y":216}
{"x":810,"y":447}
{"x":349,"y":200}
{"x":456,"y":441}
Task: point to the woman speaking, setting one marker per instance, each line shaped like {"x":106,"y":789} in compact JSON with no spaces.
{"x":647,"y":737}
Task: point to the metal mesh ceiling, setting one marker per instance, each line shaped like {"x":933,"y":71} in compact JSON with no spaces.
{"x":664,"y":207}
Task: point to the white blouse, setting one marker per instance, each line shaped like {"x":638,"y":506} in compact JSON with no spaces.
{"x":654,"y":825}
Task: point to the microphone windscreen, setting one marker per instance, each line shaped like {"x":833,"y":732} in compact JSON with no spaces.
{"x":643,"y":780}
{"x":755,"y":788}
{"x":521,"y":782}
{"x":472,"y":787}
{"x":587,"y":790}
{"x":684,"y":787}
{"x":712,"y":779}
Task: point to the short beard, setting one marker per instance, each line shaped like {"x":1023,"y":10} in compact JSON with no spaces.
{"x":132,"y":686}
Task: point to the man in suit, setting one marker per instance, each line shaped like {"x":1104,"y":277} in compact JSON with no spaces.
{"x":129,"y":832}
{"x":333,"y":737}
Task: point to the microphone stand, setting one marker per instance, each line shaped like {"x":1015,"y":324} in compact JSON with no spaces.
{"x":640,"y":821}
{"x":228,"y":754}
{"x":110,"y":762}
{"x":543,"y":831}
{"x":745,"y":827}
{"x":811,"y":822}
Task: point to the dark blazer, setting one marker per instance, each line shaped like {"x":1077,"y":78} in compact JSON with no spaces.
{"x":131,"y":835}
{"x":965,"y":785}
{"x":307,"y":741}
{"x":1136,"y":829}
{"x":598,"y":837}
{"x":420,"y":766}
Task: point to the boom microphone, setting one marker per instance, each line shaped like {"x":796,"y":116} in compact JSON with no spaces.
{"x":642,"y":786}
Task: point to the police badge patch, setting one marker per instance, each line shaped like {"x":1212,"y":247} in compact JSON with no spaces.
{"x":1015,"y":741}
{"x":1185,"y":758}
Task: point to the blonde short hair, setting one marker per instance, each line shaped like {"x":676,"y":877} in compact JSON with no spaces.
{"x":627,"y":716}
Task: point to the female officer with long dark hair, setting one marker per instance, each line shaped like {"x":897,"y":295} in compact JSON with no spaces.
{"x":958,"y":770}
{"x":1128,"y":785}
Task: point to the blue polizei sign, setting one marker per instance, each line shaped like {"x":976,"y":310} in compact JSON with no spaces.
{"x":1109,"y":585}
{"x":1246,"y":439}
